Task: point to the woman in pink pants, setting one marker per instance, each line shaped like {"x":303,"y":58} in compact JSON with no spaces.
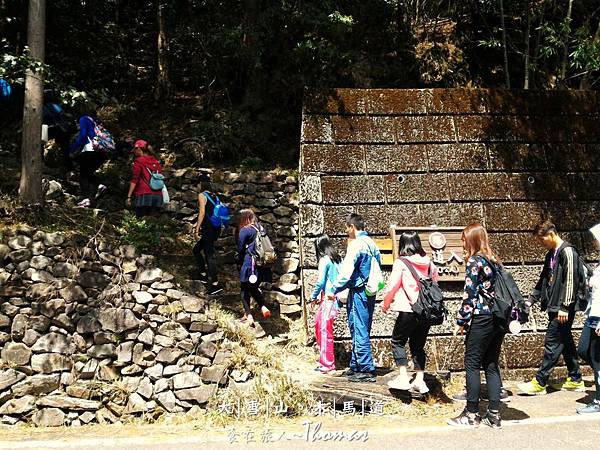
{"x":329,"y":264}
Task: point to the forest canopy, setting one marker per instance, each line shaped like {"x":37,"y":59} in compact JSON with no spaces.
{"x":231,"y":74}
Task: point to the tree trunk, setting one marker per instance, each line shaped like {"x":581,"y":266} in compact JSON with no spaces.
{"x":163,"y":83}
{"x":527,"y":33}
{"x":585,"y":79}
{"x":538,"y":40}
{"x":504,"y":51}
{"x":565,"y":58}
{"x":30,"y":188}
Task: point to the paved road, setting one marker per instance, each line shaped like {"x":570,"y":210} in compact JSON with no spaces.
{"x":570,"y":432}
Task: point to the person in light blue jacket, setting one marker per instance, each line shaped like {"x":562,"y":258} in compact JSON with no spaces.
{"x":589,"y":342}
{"x":353,"y":276}
{"x":329,"y":266}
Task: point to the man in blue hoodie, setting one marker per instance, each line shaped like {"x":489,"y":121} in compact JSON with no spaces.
{"x":353,"y":276}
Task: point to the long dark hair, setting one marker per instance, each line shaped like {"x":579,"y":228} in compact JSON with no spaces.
{"x":245,"y":217}
{"x":477,"y":241}
{"x":323,"y":247}
{"x":410,"y":244}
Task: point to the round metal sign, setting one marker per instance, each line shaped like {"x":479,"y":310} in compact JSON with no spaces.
{"x":437,"y":240}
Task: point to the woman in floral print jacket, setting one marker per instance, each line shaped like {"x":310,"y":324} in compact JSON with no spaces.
{"x":484,"y":334}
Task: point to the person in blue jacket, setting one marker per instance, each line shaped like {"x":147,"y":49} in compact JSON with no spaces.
{"x":250,"y":274}
{"x":5,"y":92}
{"x":329,"y":265}
{"x":89,"y":162}
{"x":353,"y":275}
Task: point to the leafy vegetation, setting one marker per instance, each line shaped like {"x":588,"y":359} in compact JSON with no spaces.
{"x":150,"y":234}
{"x":235,"y":72}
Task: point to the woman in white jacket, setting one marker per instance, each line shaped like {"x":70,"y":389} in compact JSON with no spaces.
{"x":589,"y":342}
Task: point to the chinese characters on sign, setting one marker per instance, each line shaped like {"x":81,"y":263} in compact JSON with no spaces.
{"x":251,"y":408}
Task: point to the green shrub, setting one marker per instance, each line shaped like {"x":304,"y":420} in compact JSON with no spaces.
{"x":152,"y":234}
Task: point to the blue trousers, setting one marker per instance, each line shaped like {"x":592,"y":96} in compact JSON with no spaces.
{"x":360,"y":315}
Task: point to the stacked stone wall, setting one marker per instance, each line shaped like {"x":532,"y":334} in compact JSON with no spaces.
{"x":273,"y":195}
{"x":91,"y":333}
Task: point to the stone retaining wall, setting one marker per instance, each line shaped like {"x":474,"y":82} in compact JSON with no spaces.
{"x":447,"y":157}
{"x":91,"y":333}
{"x":274,"y":197}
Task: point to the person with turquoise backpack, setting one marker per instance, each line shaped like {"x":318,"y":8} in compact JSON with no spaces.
{"x":147,"y":172}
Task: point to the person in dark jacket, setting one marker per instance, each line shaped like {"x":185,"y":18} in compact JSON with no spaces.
{"x":89,"y":161}
{"x":557,"y":289}
{"x":147,"y":200}
{"x":206,"y":235}
{"x":250,"y":274}
{"x":60,"y":128}
{"x":484,"y":334}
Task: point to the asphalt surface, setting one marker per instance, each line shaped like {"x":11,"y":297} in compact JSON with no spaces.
{"x":547,"y":422}
{"x":552,"y":432}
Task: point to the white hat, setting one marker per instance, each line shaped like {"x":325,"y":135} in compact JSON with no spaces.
{"x":595,"y":230}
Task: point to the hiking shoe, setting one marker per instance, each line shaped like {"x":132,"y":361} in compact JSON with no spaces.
{"x":462,"y":397}
{"x":101,"y":191}
{"x":203,"y":278}
{"x":348,"y":372}
{"x":265,"y":312}
{"x":465,"y":420}
{"x":399,"y":383}
{"x":214,"y":289}
{"x":593,"y":407}
{"x":570,"y":385}
{"x":361,"y":377}
{"x":533,"y":387}
{"x":85,"y":203}
{"x":421,"y":389}
{"x":492,"y":419}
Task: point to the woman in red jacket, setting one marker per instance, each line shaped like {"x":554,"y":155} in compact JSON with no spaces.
{"x":147,"y":200}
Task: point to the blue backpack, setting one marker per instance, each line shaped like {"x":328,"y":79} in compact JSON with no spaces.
{"x":220,"y":216}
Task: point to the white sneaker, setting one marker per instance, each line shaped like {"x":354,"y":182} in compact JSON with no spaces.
{"x":85,"y":203}
{"x":101,"y":191}
{"x":399,"y":383}
{"x":419,"y":388}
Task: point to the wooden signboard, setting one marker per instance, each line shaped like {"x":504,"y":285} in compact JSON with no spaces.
{"x":443,"y":246}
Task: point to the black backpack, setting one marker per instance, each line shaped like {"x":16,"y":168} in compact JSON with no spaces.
{"x":584,"y":291}
{"x":430,"y":303}
{"x":507,"y":295}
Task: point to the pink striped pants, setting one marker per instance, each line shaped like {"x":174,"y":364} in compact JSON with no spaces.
{"x":324,"y":333}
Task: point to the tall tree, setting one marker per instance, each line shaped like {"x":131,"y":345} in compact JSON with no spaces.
{"x":504,"y":49}
{"x":567,"y":31}
{"x":30,"y":188}
{"x":527,"y":39}
{"x":163,"y":85}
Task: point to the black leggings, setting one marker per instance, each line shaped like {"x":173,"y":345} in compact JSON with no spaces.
{"x":483,"y":344}
{"x":89,"y":162}
{"x":412,"y":329}
{"x":204,"y":252}
{"x":251,"y":290}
